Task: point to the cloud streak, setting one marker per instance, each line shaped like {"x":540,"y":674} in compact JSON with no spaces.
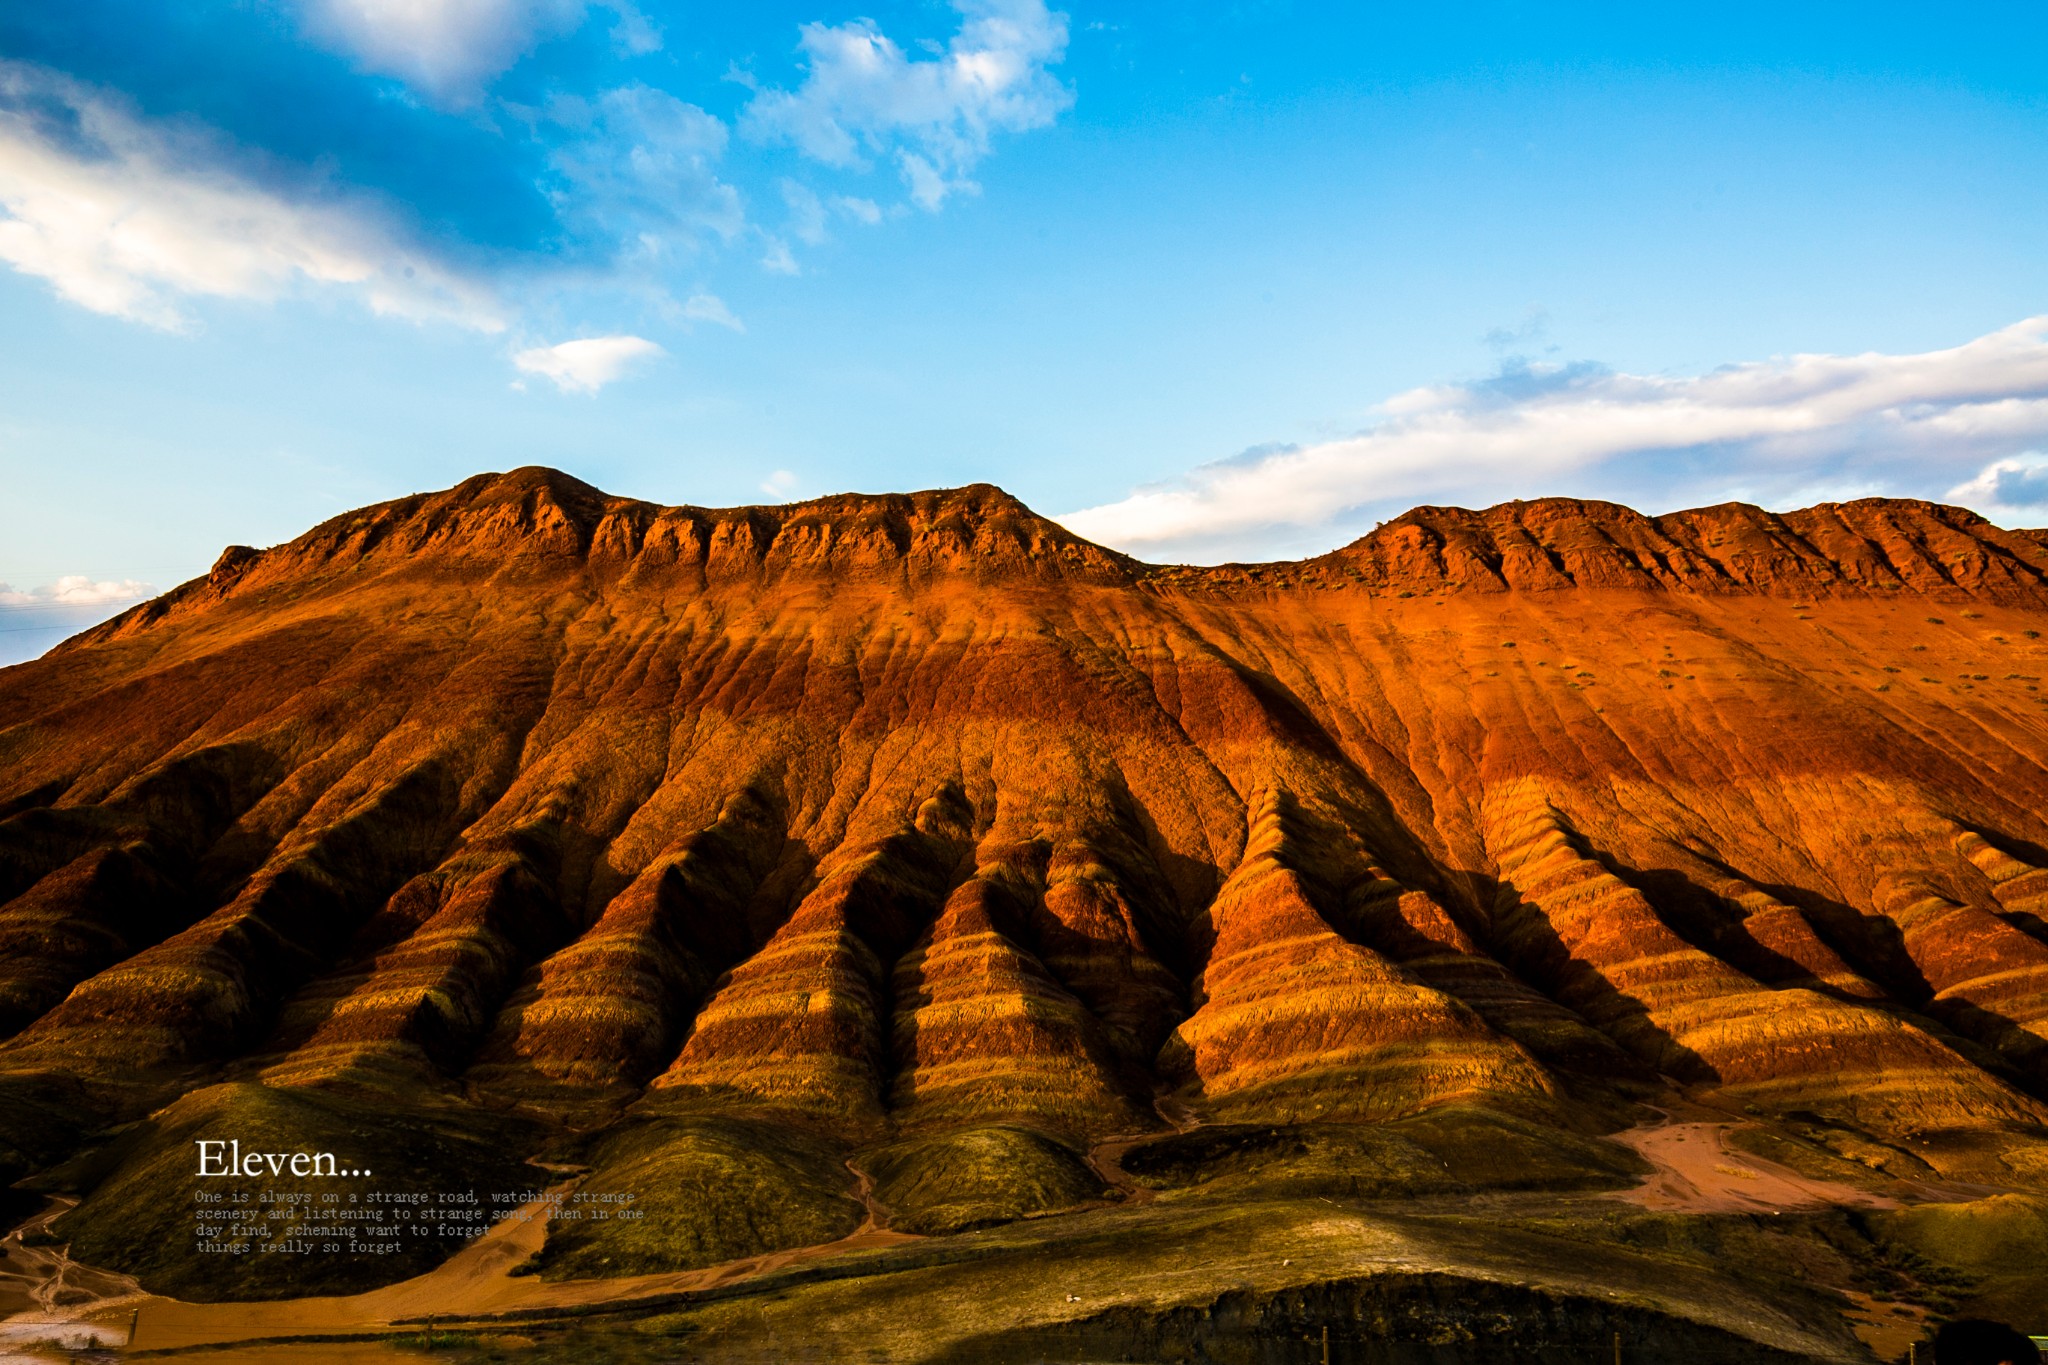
{"x":711,"y":308}
{"x":121,"y":216}
{"x":1906,"y":424}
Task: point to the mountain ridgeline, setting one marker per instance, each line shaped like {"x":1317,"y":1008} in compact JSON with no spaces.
{"x":916,"y":831}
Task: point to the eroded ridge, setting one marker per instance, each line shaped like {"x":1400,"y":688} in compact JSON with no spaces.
{"x":1293,"y":1018}
{"x":803,"y":1022}
{"x":1603,"y":948}
{"x":607,"y":1011}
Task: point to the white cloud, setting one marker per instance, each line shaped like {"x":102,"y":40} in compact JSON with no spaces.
{"x":777,"y":260}
{"x":586,"y":365}
{"x":862,"y":96}
{"x":450,"y":49}
{"x":2015,"y":489}
{"x":809,"y":220}
{"x":122,"y":217}
{"x":76,"y":590}
{"x":711,"y":308}
{"x":779,"y":485}
{"x":1911,"y":424}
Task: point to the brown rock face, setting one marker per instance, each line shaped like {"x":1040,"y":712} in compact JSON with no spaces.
{"x":883,"y":816}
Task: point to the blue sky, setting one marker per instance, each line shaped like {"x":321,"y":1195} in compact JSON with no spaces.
{"x":1229,"y":282}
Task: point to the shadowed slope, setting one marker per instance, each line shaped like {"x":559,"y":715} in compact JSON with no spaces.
{"x":1410,"y":927}
{"x":802,"y":1022}
{"x":447,"y":945}
{"x":1990,"y":980}
{"x":607,"y":1011}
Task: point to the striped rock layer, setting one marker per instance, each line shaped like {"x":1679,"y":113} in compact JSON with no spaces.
{"x":919,"y":812}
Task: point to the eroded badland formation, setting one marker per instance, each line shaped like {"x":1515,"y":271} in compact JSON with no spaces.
{"x":1128,"y":960}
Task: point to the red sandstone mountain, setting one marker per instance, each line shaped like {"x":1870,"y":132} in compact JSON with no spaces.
{"x":899,"y":815}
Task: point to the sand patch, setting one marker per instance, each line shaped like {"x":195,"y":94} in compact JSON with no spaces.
{"x":1698,"y":1172}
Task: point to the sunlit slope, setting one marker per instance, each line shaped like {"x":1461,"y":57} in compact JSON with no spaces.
{"x":908,"y":814}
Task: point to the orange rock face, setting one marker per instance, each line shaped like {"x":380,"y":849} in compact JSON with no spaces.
{"x":916,"y":812}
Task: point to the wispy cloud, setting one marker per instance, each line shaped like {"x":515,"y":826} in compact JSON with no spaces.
{"x":588,"y":364}
{"x":124,"y":217}
{"x":1906,"y":424}
{"x":779,"y":485}
{"x":76,"y":590}
{"x":641,"y":166}
{"x":447,"y":49}
{"x":806,"y":213}
{"x":633,"y":33}
{"x":862,"y":97}
{"x":711,"y":308}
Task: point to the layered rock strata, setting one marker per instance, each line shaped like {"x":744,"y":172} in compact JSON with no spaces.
{"x":892,"y":817}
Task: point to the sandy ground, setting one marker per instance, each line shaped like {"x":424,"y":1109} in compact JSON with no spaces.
{"x":1887,"y":1328}
{"x":477,"y":1280}
{"x":1698,"y":1172}
{"x":46,"y":1297}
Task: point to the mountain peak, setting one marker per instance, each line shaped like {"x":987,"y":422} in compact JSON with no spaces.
{"x":540,"y":513}
{"x":538,"y":519}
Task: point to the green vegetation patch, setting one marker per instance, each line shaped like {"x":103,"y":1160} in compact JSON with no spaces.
{"x":2001,"y":1244}
{"x":1254,"y":1280}
{"x":704,"y":1191}
{"x":977,"y":1178}
{"x":1832,"y":1151}
{"x":1435,"y":1318}
{"x":143,"y":1214}
{"x":1452,"y":1149}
